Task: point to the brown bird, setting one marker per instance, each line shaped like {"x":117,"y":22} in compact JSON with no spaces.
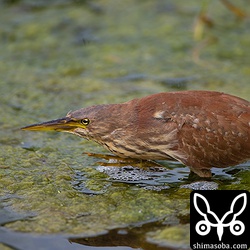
{"x":201,"y":129}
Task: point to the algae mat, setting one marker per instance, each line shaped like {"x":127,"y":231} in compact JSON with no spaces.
{"x":58,"y":56}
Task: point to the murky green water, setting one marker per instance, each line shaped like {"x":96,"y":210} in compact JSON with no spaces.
{"x":57,"y":56}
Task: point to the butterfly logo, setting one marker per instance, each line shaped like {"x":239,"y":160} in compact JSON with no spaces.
{"x":210,"y":219}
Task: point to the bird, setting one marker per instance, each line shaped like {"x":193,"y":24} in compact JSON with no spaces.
{"x":198,"y":128}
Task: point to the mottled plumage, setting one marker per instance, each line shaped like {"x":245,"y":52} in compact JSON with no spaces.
{"x":201,"y":129}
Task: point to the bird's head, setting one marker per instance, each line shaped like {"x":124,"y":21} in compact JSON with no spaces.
{"x":91,"y":122}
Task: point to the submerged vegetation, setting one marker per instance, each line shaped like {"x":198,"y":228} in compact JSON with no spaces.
{"x":58,"y":56}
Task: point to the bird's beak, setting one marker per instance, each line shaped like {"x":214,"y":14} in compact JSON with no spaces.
{"x":65,"y":124}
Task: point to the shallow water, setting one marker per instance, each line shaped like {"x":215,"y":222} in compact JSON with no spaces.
{"x":58,"y":56}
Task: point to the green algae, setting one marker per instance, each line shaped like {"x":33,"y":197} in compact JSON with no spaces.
{"x":57,"y":58}
{"x":176,"y":236}
{"x":3,"y":247}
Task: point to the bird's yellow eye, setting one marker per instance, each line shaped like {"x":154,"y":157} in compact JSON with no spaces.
{"x":85,"y":121}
